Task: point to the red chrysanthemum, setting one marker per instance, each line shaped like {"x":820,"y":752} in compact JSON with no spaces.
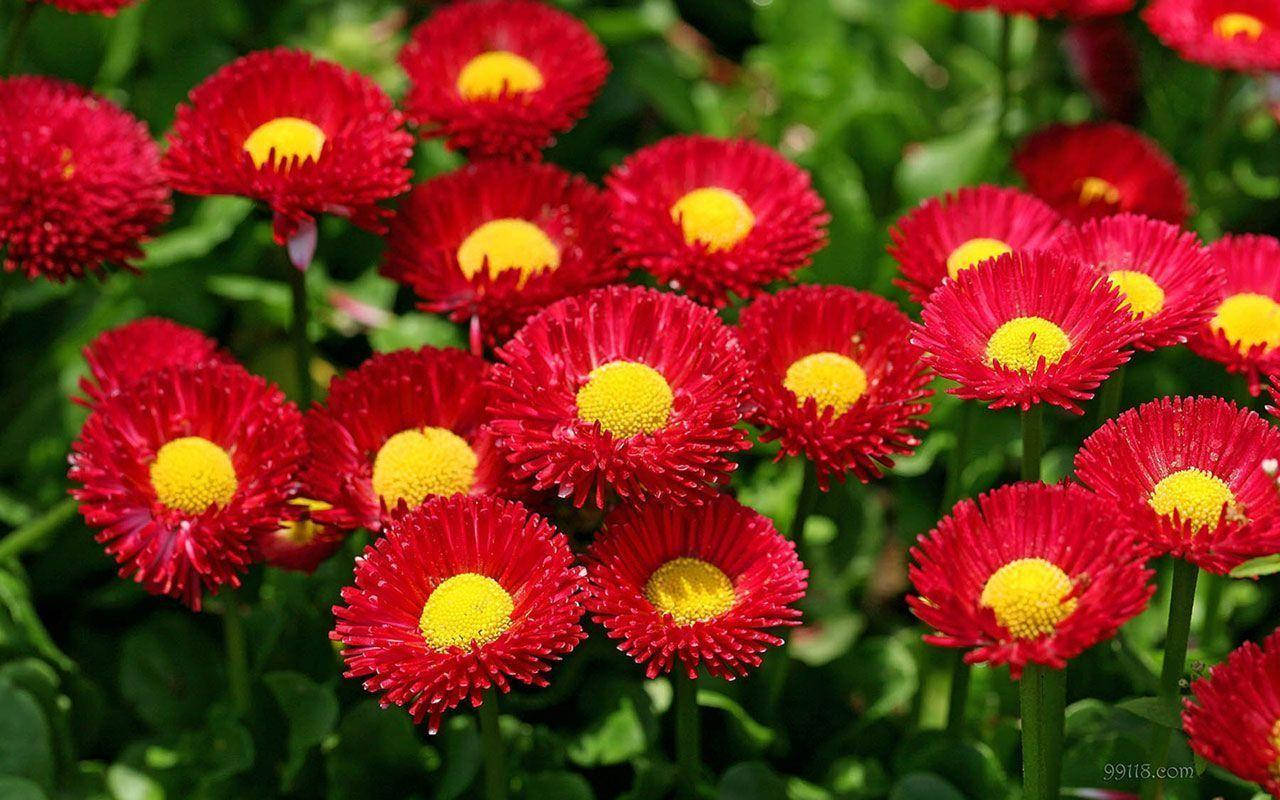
{"x":402,"y":428}
{"x":496,"y":242}
{"x":1097,"y":169}
{"x":460,"y":595}
{"x":300,"y":541}
{"x":625,"y":391}
{"x":1227,"y":34}
{"x":499,"y":78}
{"x":700,"y":584}
{"x":1032,"y":8}
{"x":182,"y":470}
{"x":124,"y":355}
{"x":1188,"y":472}
{"x":1021,"y":576}
{"x":302,"y":135}
{"x":1244,"y":332}
{"x":80,"y":181}
{"x":1164,"y":273}
{"x":944,"y":236}
{"x":1025,"y":329}
{"x":713,"y":216}
{"x":1233,"y":718}
{"x":105,"y":7}
{"x":835,"y":378}
{"x":1105,"y":58}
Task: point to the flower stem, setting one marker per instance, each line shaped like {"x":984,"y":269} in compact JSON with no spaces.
{"x":1032,"y":442}
{"x":299,"y":334}
{"x":954,"y":486}
{"x":237,"y":657}
{"x":1182,"y":597}
{"x":688,"y":760}
{"x":17,"y":33}
{"x":495,"y":768}
{"x":37,"y":530}
{"x":959,"y":694}
{"x":1004,"y":61}
{"x":1109,"y":401}
{"x":1217,"y":121}
{"x":1211,"y":611}
{"x":806,"y":501}
{"x":1044,"y":697}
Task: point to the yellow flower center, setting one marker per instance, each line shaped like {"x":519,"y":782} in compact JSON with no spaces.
{"x":625,"y":398}
{"x":974,"y":252}
{"x":287,"y":138}
{"x":1196,"y":495}
{"x":1098,"y":190}
{"x":1021,"y":342}
{"x":1143,"y":296}
{"x":505,"y":244}
{"x":489,"y":75}
{"x":301,"y":531}
{"x":190,"y":474}
{"x":1229,"y":26}
{"x":466,"y":608}
{"x":832,"y":380}
{"x":1028,"y":597}
{"x":690,"y":590}
{"x":1248,"y":320}
{"x":67,"y":159}
{"x":715,"y":218}
{"x":419,"y":463}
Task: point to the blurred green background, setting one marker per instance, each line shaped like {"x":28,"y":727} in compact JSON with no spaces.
{"x":108,"y":693}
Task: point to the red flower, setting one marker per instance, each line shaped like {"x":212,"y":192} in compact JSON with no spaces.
{"x":712,"y":216}
{"x":944,"y":236}
{"x":501,"y":77}
{"x":1234,"y":718}
{"x":1188,"y":472}
{"x":120,"y":357}
{"x":1082,"y":9}
{"x":1105,"y":58}
{"x":1166,"y":277}
{"x":105,"y":7}
{"x":701,"y":584}
{"x":1032,"y":8}
{"x":834,"y":376}
{"x":182,"y":470}
{"x":1021,"y":576}
{"x":459,"y":595}
{"x":404,"y":427}
{"x":300,"y":134}
{"x":1099,"y":169}
{"x":300,"y":541}
{"x":1026,"y":328}
{"x":1244,"y":333}
{"x":624,"y":390}
{"x":498,"y":241}
{"x":80,"y":182}
{"x":1227,"y":34}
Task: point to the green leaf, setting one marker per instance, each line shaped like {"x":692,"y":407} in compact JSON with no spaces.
{"x":946,"y":163}
{"x":20,"y":622}
{"x":759,"y":736}
{"x":215,"y":219}
{"x":415,"y":330}
{"x":557,"y":786}
{"x":1153,"y":710}
{"x":25,"y":746}
{"x":167,"y":673}
{"x":127,"y":783}
{"x":751,"y":780}
{"x":617,"y":734}
{"x":971,"y":767}
{"x":924,"y":786}
{"x":461,"y":757}
{"x":12,"y":788}
{"x":312,"y":711}
{"x":1257,"y":567}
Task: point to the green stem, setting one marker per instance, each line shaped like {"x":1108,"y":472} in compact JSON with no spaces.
{"x":17,"y":33}
{"x":37,"y":530}
{"x":1032,"y":442}
{"x":1109,"y":399}
{"x":954,"y":486}
{"x":299,"y":334}
{"x":959,"y":693}
{"x":1212,"y":609}
{"x":1211,"y":151}
{"x":688,"y":760}
{"x":1044,"y":695}
{"x":495,"y":768}
{"x":1182,"y":597}
{"x":807,"y":500}
{"x":237,"y":655}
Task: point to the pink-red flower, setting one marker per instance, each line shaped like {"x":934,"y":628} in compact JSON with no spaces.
{"x":105,"y":7}
{"x":1105,"y":58}
{"x":1244,"y":332}
{"x":703,"y":585}
{"x":300,"y":541}
{"x":1227,"y":34}
{"x":119,"y":357}
{"x":459,"y":596}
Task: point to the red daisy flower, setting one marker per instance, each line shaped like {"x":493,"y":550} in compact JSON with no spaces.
{"x":834,"y":376}
{"x":1233,"y":719}
{"x":498,"y":241}
{"x":1227,"y":34}
{"x":124,"y":355}
{"x":501,"y":77}
{"x":1244,"y":332}
{"x":300,"y":541}
{"x":80,"y":181}
{"x":1105,"y":58}
{"x":1099,"y":169}
{"x":1026,"y":328}
{"x":1166,"y":277}
{"x":1032,"y":8}
{"x":402,"y":428}
{"x":1189,"y":473}
{"x":1021,"y":576}
{"x":623,"y":390}
{"x":300,"y":134}
{"x":182,"y":470}
{"x":459,"y":595}
{"x":712,"y":216}
{"x":104,"y":7}
{"x":944,"y":236}
{"x":702,"y":584}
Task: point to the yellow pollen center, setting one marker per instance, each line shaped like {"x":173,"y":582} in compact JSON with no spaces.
{"x":490,"y":75}
{"x":1197,"y":497}
{"x":505,"y":244}
{"x":1142,"y":295}
{"x":1098,"y":190}
{"x":690,"y":590}
{"x":715,"y":218}
{"x":466,"y":608}
{"x":1229,"y":26}
{"x":974,"y":252}
{"x":1249,"y":320}
{"x":832,"y":380}
{"x":303,"y":530}
{"x":625,"y":398}
{"x":1029,"y":597}
{"x":66,"y":158}
{"x":1021,"y":342}
{"x":288,"y":138}
{"x":423,"y":462}
{"x":190,"y":474}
